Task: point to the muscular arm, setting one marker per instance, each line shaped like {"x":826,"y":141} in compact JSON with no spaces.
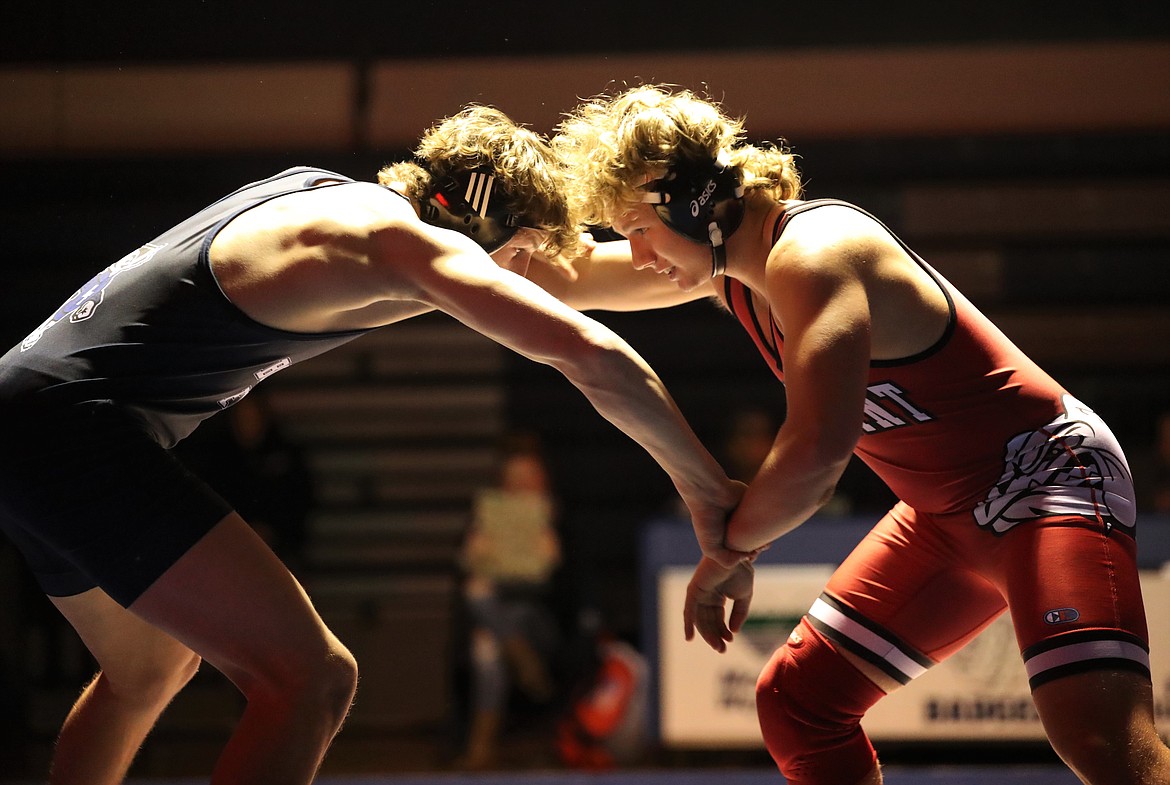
{"x":356,"y":256}
{"x":607,"y":281}
{"x":454,"y":276}
{"x":819,"y":289}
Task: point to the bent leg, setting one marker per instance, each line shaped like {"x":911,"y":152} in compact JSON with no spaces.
{"x":230,"y":599}
{"x":1080,"y":620}
{"x":1101,"y":723}
{"x":810,"y":702}
{"x":900,"y":602}
{"x":162,"y":544}
{"x":141,"y":670}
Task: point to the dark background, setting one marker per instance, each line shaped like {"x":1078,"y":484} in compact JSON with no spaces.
{"x":59,"y":31}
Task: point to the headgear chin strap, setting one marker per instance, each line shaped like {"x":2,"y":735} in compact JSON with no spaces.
{"x":702,"y":201}
{"x":472,"y":204}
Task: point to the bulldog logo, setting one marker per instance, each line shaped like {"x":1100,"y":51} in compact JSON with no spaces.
{"x":1072,"y":466}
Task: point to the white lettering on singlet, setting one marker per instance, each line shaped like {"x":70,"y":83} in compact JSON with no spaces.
{"x":887,"y":406}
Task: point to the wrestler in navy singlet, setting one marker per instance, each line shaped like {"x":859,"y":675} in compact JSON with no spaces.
{"x":92,"y":400}
{"x":154,"y":334}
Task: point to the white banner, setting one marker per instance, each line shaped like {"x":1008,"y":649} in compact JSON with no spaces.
{"x":707,"y":699}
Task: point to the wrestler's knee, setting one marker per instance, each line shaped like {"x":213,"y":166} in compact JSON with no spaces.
{"x":810,"y":703}
{"x":154,"y":679}
{"x":335,"y":678}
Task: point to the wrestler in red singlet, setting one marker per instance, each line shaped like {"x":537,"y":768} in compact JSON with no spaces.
{"x":975,"y":438}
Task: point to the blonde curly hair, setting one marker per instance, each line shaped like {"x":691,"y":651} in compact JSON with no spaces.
{"x":612,"y":144}
{"x":522,"y":161}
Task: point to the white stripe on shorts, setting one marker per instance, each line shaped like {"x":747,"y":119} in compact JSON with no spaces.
{"x":1085,"y":651}
{"x":898,"y":659}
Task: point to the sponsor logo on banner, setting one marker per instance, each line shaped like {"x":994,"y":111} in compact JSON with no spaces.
{"x":980,"y":693}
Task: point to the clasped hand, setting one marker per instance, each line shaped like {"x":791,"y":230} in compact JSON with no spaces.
{"x":711,"y":586}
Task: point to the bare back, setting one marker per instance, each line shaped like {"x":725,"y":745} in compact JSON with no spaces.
{"x":305,"y":261}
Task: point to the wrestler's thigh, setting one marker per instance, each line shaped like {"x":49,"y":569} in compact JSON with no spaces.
{"x":92,"y":500}
{"x":1065,"y":575}
{"x":1075,"y":597}
{"x":907,"y":579}
{"x":231,"y":600}
{"x":129,"y":650}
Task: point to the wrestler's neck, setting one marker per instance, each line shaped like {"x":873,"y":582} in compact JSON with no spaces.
{"x":749,"y":246}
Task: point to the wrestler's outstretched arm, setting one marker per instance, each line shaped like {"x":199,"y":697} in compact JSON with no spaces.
{"x":604,"y":278}
{"x":454,"y":276}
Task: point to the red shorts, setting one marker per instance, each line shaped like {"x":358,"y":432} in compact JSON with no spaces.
{"x":918,"y":587}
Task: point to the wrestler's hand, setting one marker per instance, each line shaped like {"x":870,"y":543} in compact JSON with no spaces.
{"x":563,"y":265}
{"x":710,"y":525}
{"x":707,"y":594}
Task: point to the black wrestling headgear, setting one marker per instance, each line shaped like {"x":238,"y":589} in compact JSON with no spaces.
{"x":702,"y":201}
{"x":472,"y":204}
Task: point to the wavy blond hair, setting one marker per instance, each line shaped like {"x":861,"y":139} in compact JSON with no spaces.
{"x":522,"y":161}
{"x":611,"y":144}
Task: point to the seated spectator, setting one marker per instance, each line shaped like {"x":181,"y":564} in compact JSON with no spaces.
{"x":510,"y":554}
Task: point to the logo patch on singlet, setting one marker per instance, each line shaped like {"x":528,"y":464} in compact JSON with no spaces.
{"x":85,"y":301}
{"x":1061,"y":616}
{"x":231,"y":399}
{"x":279,"y":365}
{"x":1071,"y":466}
